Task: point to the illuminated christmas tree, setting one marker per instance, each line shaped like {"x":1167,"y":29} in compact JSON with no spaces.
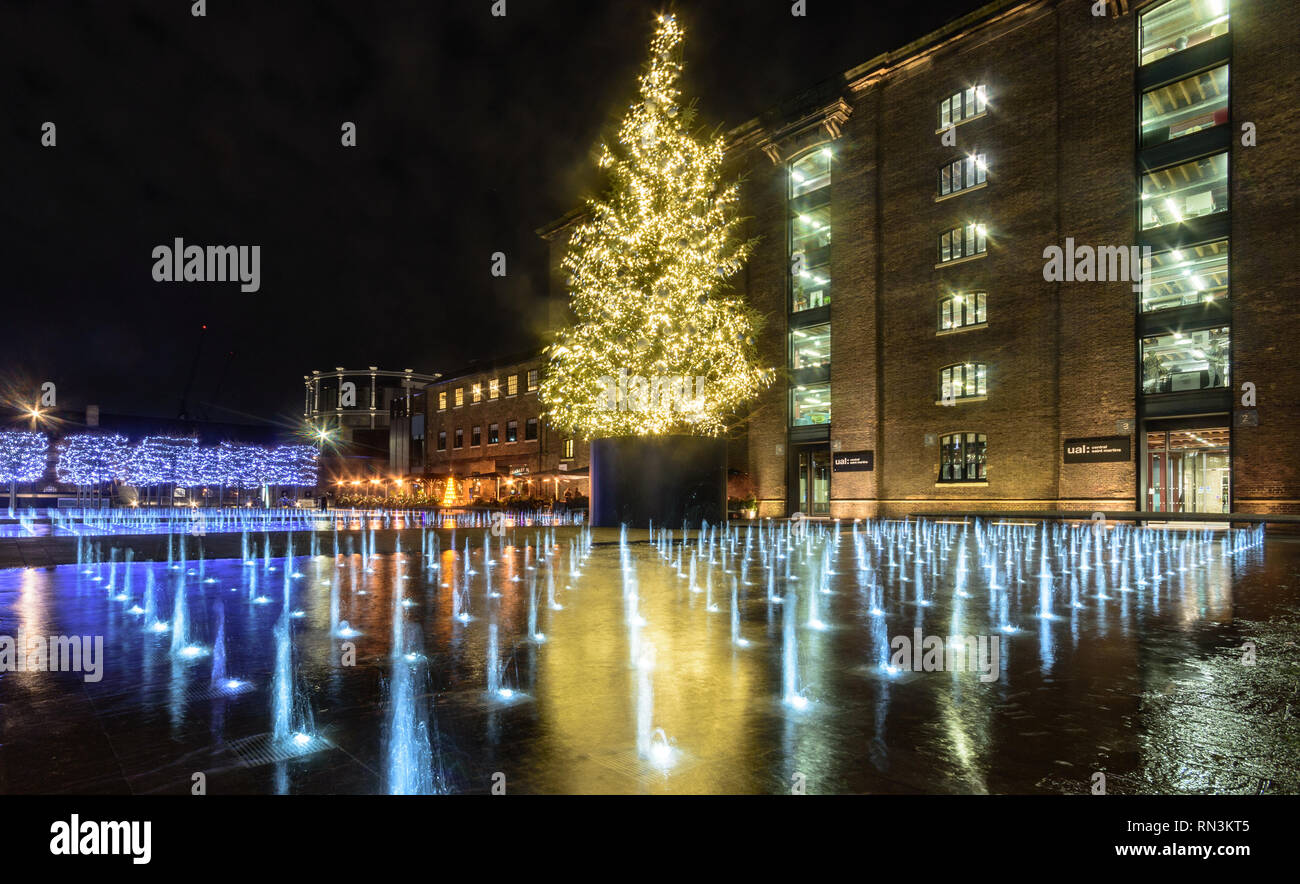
{"x":23,"y":456}
{"x":660,"y":344}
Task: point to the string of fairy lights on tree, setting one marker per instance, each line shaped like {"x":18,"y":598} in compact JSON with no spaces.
{"x":649,"y":273}
{"x":92,"y":458}
{"x":23,"y":455}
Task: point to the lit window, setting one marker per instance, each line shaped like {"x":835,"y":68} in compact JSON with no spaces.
{"x":1187,"y":106}
{"x":810,"y":172}
{"x":494,"y":389}
{"x":963,"y":174}
{"x":959,"y":310}
{"x":442,"y":401}
{"x":533,"y":375}
{"x":1189,"y":275}
{"x":810,"y":347}
{"x":568,"y":450}
{"x":478,"y":393}
{"x":810,"y":405}
{"x":1181,"y":24}
{"x":963,"y":381}
{"x":512,"y":385}
{"x":1189,"y":190}
{"x":809,"y":246}
{"x":460,"y":396}
{"x":963,"y":242}
{"x":970,"y":102}
{"x":962,"y":457}
{"x":1196,"y":360}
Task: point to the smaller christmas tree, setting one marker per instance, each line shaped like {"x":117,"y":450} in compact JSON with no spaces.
{"x":658,"y":345}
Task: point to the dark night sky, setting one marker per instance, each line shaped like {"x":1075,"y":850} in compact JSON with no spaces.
{"x":473,"y":132}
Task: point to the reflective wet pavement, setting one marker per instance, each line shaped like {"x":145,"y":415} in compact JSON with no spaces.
{"x":1146,"y":685}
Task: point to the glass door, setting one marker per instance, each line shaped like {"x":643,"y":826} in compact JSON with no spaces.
{"x":1189,"y":471}
{"x":814,"y":481}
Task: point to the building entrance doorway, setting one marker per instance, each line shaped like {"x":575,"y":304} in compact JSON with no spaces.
{"x":1188,"y":471}
{"x":813,"y":480}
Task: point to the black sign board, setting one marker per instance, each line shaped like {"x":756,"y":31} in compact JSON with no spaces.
{"x":1098,"y":449}
{"x":853,"y":461}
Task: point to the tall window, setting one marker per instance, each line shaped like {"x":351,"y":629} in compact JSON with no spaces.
{"x":963,"y":242}
{"x":810,"y":230}
{"x":460,"y":396}
{"x":478,"y":393}
{"x":963,"y":174}
{"x":1181,"y":24}
{"x":962,"y":457}
{"x":568,"y":450}
{"x":1188,"y":275}
{"x":460,"y":438}
{"x":442,"y":440}
{"x":959,"y":310}
{"x":476,"y":437}
{"x":532,"y":380}
{"x":810,"y":405}
{"x":1189,"y":190}
{"x":512,"y":431}
{"x":530,"y":429}
{"x":494,"y":434}
{"x":512,"y":385}
{"x":494,"y":388}
{"x":810,"y":347}
{"x":971,"y":101}
{"x":810,"y":172}
{"x":442,"y":401}
{"x":963,"y":381}
{"x":1187,"y":106}
{"x":1195,"y":360}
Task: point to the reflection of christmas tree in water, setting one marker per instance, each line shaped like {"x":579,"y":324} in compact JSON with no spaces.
{"x":449,"y":493}
{"x":647,"y":272}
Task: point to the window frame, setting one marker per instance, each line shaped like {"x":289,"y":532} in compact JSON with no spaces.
{"x":978,"y":372}
{"x":979,"y":312}
{"x":964,"y":457}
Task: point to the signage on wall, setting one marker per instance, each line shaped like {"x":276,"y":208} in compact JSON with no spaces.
{"x":853,"y":461}
{"x":1123,"y":427}
{"x":1248,"y":417}
{"x":1098,"y":449}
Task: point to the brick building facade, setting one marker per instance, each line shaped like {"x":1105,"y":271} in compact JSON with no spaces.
{"x":484,"y":428}
{"x":905,"y":212}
